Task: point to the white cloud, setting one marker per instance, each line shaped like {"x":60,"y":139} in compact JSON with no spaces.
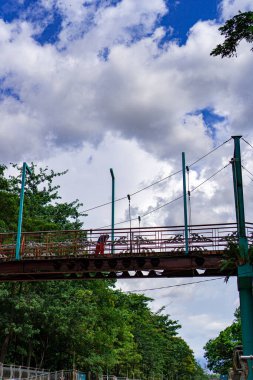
{"x":141,"y":92}
{"x":206,"y":322}
{"x":203,"y":309}
{"x":230,"y":8}
{"x":108,"y":25}
{"x":135,"y":112}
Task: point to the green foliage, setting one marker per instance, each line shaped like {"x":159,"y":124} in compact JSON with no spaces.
{"x":81,"y":324}
{"x":232,"y":256}
{"x":200,"y":374}
{"x":90,"y":326}
{"x":238,"y":28}
{"x":219,"y":351}
{"x":153,"y":335}
{"x":42,"y":207}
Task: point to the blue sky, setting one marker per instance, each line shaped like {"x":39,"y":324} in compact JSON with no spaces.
{"x":185,"y":13}
{"x":182,"y":15}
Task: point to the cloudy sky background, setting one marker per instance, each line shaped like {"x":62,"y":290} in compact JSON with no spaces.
{"x":93,"y":85}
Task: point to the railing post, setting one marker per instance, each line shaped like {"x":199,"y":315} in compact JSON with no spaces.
{"x":244,"y":271}
{"x":185,"y":206}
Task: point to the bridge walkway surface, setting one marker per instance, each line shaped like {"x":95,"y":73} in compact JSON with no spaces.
{"x":134,"y":253}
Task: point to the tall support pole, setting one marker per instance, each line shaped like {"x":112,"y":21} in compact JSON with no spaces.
{"x":21,"y":206}
{"x":113,"y":208}
{"x":245,"y":270}
{"x":130,"y":221}
{"x":139,"y":245}
{"x":185,"y":206}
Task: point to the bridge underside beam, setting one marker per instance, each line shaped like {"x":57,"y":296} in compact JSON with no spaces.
{"x":116,"y":266}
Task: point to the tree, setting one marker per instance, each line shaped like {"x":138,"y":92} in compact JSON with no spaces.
{"x":9,"y":204}
{"x":42,"y":207}
{"x":219,"y":351}
{"x":238,"y":28}
{"x":42,"y":211}
{"x":163,"y":354}
{"x":86,"y":325}
{"x":90,"y":326}
{"x":44,"y":324}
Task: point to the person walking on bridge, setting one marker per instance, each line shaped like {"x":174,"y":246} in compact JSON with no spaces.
{"x":100,"y":247}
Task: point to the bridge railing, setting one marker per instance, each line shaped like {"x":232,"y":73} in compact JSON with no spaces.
{"x":135,"y":241}
{"x":12,"y":372}
{"x":60,"y":375}
{"x":19,"y":372}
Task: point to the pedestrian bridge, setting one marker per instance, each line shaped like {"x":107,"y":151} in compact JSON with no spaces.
{"x":132,"y":253}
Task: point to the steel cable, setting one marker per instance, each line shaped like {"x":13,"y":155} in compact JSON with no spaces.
{"x":157,"y":182}
{"x":170,"y":202}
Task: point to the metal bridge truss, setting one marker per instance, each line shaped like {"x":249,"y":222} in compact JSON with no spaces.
{"x":134,"y":253}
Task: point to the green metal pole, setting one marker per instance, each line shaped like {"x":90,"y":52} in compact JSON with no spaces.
{"x":113,"y":208}
{"x":130,"y":220}
{"x":21,"y":206}
{"x":245,"y":270}
{"x":185,"y":207}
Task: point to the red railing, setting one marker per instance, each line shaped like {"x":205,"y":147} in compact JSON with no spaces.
{"x":137,"y":241}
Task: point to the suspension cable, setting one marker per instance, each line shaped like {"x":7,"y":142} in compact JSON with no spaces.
{"x":174,"y":286}
{"x":105,"y":204}
{"x":147,"y":213}
{"x":136,"y":192}
{"x":170,"y":202}
{"x":211,"y":151}
{"x":209,"y":178}
{"x":166,"y":204}
{"x":247,"y":142}
{"x":247,"y":171}
{"x":157,"y":182}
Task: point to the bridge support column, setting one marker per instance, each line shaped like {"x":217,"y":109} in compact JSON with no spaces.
{"x":246,"y":306}
{"x":244,"y":271}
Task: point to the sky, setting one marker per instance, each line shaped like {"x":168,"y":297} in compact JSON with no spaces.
{"x":89,"y":85}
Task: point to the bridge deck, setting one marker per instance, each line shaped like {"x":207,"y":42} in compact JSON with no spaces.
{"x":135,"y":253}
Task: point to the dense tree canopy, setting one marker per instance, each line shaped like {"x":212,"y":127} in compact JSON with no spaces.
{"x":93,"y":327}
{"x":219,"y":351}
{"x":238,"y":28}
{"x":42,"y":207}
{"x":88,"y":325}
